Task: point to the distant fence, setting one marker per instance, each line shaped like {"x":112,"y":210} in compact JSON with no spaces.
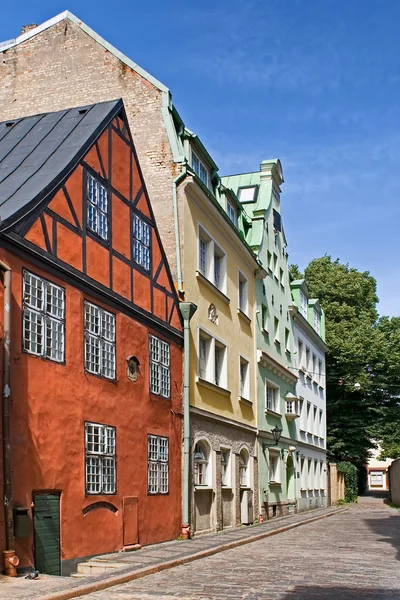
{"x":336,"y":489}
{"x":394,"y":481}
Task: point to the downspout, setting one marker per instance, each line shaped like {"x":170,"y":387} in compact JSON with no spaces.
{"x":175,"y":182}
{"x":187,"y":309}
{"x":10,"y":560}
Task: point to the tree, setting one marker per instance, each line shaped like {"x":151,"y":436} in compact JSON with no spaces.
{"x":353,"y":337}
{"x":295,"y":272}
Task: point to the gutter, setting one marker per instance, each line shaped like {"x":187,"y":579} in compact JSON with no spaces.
{"x":175,"y":183}
{"x":10,"y":559}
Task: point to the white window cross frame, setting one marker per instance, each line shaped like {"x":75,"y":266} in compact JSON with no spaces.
{"x":100,"y":341}
{"x":158,"y":461}
{"x":100,"y":465}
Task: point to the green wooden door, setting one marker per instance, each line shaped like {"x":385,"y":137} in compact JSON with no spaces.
{"x":47,"y":533}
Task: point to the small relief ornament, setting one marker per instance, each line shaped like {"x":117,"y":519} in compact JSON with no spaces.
{"x":212,"y":314}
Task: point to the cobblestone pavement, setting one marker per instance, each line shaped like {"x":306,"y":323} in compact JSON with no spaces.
{"x":350,"y":556}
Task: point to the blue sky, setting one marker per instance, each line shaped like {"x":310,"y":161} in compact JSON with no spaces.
{"x":316,"y":84}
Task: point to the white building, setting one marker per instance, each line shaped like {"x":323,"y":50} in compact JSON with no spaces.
{"x":310,"y":348}
{"x":378,"y":471}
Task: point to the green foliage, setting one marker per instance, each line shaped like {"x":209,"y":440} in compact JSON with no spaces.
{"x":295,"y":272}
{"x":350,"y":480}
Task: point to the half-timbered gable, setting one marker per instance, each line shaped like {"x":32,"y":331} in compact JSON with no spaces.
{"x":74,"y":194}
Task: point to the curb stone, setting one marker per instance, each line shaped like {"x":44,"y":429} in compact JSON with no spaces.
{"x":89,"y":588}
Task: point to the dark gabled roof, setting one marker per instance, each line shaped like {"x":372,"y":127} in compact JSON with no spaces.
{"x":38,"y":152}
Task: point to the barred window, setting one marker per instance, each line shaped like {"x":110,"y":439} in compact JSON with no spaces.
{"x":99,"y":341}
{"x":97,"y":207}
{"x":141,"y":242}
{"x":43,"y":318}
{"x":100,"y":459}
{"x":160,"y":376}
{"x":157,"y":465}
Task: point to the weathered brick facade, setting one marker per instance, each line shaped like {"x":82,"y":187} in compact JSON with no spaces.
{"x":62,"y":67}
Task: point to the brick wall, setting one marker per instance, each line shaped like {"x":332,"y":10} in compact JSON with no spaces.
{"x":64,"y":67}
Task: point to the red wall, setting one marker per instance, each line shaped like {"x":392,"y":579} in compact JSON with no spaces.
{"x":50,"y":404}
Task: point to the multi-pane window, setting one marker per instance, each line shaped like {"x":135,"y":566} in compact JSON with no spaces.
{"x":264,"y":317}
{"x":141,"y":242}
{"x":100,"y":459}
{"x":43,"y":318}
{"x":212,"y":261}
{"x":97,"y":207}
{"x":244,"y":378}
{"x":303,"y":304}
{"x":225,"y":470}
{"x":271,"y":397}
{"x":243,"y":293}
{"x":99,"y":341}
{"x":157,"y":464}
{"x":273,"y":467}
{"x":160,"y":373}
{"x":200,"y":169}
{"x":212,"y":360}
{"x":317,"y":321}
{"x":231,"y":211}
{"x":201,"y":464}
{"x":244,"y":469}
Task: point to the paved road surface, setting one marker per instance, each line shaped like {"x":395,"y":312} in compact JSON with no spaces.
{"x":350,"y":556}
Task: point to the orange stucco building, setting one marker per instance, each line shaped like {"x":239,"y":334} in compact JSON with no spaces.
{"x":96,"y":342}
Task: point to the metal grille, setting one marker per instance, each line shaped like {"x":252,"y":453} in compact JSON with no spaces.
{"x":97,"y":207}
{"x":157,"y":464}
{"x":99,"y":341}
{"x":100,"y":459}
{"x":43,"y":318}
{"x":141,"y":242}
{"x":160,"y":375}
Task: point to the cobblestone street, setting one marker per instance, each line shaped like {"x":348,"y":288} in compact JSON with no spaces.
{"x":351,"y":556}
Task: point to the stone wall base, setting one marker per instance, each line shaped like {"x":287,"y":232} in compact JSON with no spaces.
{"x":270,"y":510}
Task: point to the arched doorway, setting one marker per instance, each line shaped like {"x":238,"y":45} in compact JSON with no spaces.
{"x":290,"y":478}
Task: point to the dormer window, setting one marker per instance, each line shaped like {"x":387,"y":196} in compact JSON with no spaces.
{"x":97,"y":207}
{"x":231,"y":211}
{"x":200,"y":169}
{"x":248,"y":193}
{"x":303,"y":304}
{"x":317,"y":321}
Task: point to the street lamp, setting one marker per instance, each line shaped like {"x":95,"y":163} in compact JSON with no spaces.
{"x":276,"y":434}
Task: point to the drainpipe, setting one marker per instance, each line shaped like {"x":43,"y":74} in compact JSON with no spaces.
{"x":175,"y":182}
{"x":10,"y":560}
{"x":187,"y":309}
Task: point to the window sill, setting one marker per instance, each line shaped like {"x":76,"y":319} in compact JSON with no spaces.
{"x":243,"y":316}
{"x":265,"y":331}
{"x":226,"y":488}
{"x":277,"y":483}
{"x":212,"y":287}
{"x":277,"y":342}
{"x":213,"y":386}
{"x":202,"y":488}
{"x":245,"y":401}
{"x":274,"y":413}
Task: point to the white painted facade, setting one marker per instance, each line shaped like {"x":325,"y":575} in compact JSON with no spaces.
{"x":377,"y":471}
{"x":311,"y":488}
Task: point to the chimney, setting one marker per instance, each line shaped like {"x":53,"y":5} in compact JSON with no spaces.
{"x":26,"y":28}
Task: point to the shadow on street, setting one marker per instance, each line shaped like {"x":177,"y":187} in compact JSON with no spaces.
{"x":339,"y":593}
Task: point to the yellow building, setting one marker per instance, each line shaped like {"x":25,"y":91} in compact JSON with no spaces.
{"x":218,"y":272}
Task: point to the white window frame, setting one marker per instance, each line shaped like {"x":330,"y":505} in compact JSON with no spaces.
{"x":43,"y":329}
{"x":226,"y":471}
{"x":97,"y":211}
{"x":157,"y":464}
{"x":303,"y":304}
{"x":212,"y":359}
{"x":211,"y":260}
{"x":317,"y":321}
{"x":202,"y":466}
{"x":159,"y":367}
{"x":243,"y":293}
{"x":232,"y":212}
{"x":100,"y":459}
{"x":141,"y":242}
{"x":274,"y":475}
{"x":244,"y":468}
{"x":198,"y":166}
{"x":264,"y":317}
{"x":269,"y":386}
{"x":244,"y":378}
{"x":309,"y":416}
{"x":100,"y":341}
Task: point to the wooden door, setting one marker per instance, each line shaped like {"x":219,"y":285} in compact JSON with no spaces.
{"x":46,"y":520}
{"x":130,"y":508}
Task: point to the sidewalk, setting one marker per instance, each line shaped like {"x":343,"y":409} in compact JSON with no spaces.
{"x":152,"y":559}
